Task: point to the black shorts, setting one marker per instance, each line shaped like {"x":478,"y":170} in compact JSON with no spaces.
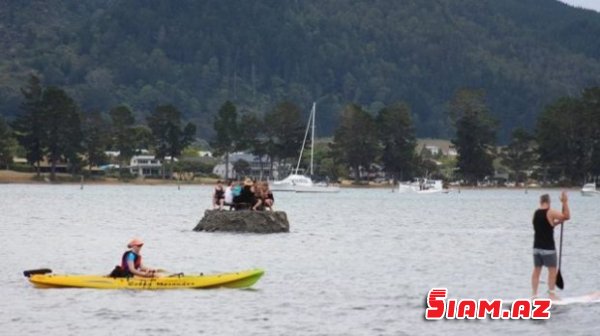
{"x":544,"y":258}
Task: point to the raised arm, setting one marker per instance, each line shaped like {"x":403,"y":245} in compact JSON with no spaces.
{"x":564,"y":215}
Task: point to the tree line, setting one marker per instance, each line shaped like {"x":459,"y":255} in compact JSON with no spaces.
{"x":564,"y":146}
{"x":358,"y":142}
{"x":51,"y":126}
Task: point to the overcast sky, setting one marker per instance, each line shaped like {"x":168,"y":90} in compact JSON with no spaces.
{"x":591,"y":4}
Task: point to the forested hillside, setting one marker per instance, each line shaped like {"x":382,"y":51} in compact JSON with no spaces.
{"x":196,"y":54}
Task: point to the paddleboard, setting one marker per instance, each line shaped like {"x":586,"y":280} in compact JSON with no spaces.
{"x":590,"y":298}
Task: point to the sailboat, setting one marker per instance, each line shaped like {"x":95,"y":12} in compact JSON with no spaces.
{"x":300,"y":183}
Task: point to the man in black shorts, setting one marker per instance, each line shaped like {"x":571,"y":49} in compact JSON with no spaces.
{"x":544,"y":250}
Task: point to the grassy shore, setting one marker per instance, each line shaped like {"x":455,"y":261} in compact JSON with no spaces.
{"x":9,"y":176}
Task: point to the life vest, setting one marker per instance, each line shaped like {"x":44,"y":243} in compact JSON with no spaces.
{"x":137,"y":262}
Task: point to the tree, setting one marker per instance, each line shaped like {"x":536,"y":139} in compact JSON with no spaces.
{"x":62,"y":123}
{"x":28,"y":126}
{"x":252,"y":137}
{"x":519,"y":156}
{"x":241,"y":167}
{"x":285,"y":128}
{"x":591,"y":106}
{"x":96,"y":130}
{"x":568,"y":135}
{"x":169,"y":135}
{"x":6,"y":144}
{"x":397,"y":136}
{"x":475,"y":135}
{"x":284,"y":131}
{"x":226,"y":128}
{"x":122,"y":134}
{"x":355,"y":141}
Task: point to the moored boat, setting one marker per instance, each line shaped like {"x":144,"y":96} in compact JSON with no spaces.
{"x":589,"y":189}
{"x":301,"y":183}
{"x":45,"y":279}
{"x":424,"y":186}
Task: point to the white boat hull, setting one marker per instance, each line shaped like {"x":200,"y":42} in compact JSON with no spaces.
{"x":301,"y":183}
{"x":433,"y":187}
{"x":280,"y":188}
{"x":589,"y":189}
{"x":317,"y":189}
{"x":590,"y":193}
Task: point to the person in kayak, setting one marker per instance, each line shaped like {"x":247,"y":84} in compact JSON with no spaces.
{"x":131,"y":262}
{"x":544,"y":251}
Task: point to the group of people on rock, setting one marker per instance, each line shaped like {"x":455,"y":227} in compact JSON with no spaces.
{"x":240,"y":195}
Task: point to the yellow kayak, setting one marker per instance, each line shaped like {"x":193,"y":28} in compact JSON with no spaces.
{"x":241,"y":279}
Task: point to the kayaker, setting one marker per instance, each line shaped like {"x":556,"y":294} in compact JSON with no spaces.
{"x":544,"y":250}
{"x":131,"y":262}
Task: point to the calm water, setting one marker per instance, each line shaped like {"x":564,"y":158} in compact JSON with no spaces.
{"x":356,"y":263}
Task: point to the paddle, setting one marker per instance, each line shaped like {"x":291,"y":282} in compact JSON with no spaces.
{"x":169,"y":274}
{"x":29,"y":273}
{"x":559,"y":280}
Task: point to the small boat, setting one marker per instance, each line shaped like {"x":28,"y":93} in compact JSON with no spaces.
{"x":589,"y":189}
{"x":44,"y":278}
{"x":424,"y":186}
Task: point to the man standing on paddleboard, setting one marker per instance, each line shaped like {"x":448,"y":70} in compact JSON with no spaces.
{"x":544,"y":250}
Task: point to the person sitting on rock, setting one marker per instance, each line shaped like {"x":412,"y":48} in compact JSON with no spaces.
{"x":267,"y":196}
{"x":219,"y":196}
{"x":228,"y":201}
{"x":246,"y":200}
{"x":236,"y":191}
{"x":258,"y":197}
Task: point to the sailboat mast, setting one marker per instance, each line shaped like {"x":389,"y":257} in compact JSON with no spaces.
{"x":313,"y":113}
{"x":303,"y":143}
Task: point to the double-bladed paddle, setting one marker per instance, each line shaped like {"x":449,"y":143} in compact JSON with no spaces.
{"x":29,"y":273}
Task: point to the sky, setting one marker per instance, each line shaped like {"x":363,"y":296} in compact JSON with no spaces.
{"x":590,"y":4}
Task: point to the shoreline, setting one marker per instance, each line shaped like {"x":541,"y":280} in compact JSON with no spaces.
{"x":14,"y":177}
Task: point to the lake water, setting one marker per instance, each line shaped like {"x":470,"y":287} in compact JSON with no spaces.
{"x":355,"y":263}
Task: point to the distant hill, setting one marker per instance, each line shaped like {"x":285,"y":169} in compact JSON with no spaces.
{"x":197,"y":54}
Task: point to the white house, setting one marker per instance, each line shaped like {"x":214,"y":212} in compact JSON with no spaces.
{"x":433,"y":149}
{"x":436,"y":146}
{"x":145,"y":165}
{"x":254,"y":169}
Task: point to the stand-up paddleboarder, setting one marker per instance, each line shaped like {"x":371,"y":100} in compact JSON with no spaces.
{"x":544,"y":250}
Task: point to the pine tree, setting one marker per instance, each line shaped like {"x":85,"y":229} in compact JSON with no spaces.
{"x":475,"y":136}
{"x":169,"y":137}
{"x":355,"y":142}
{"x":29,"y":127}
{"x":397,"y":136}
{"x":226,"y":128}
